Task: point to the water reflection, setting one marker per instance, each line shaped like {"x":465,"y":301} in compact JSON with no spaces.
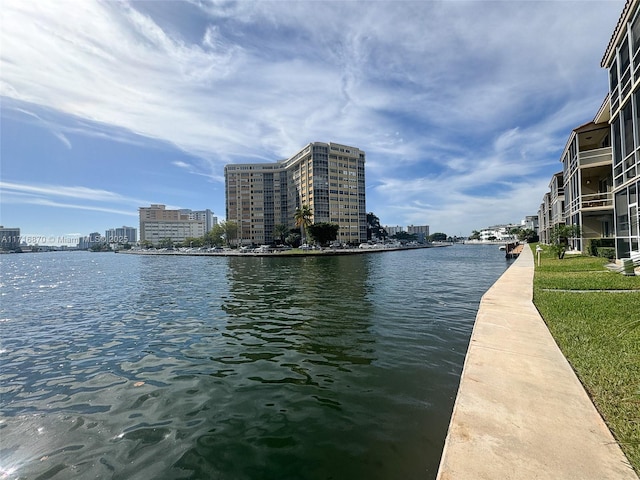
{"x":119,"y":366}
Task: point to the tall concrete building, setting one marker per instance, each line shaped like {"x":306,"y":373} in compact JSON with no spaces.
{"x":9,"y":238}
{"x":622,"y":60}
{"x":121,"y":235}
{"x":157,"y":223}
{"x":206,"y":216}
{"x":420,"y":231}
{"x":328,"y":177}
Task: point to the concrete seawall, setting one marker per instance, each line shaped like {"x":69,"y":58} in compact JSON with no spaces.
{"x":521,"y":412}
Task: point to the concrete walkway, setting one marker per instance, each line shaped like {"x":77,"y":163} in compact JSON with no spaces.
{"x":521,"y":412}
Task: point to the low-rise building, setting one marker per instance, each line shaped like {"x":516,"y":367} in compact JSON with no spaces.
{"x":157,"y":224}
{"x":622,"y":60}
{"x":587,"y":177}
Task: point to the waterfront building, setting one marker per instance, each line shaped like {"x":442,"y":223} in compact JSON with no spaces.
{"x":420,"y":231}
{"x":121,"y":235}
{"x":206,"y":216}
{"x":587,"y":180}
{"x":551,"y":211}
{"x":9,"y":239}
{"x":498,"y":233}
{"x":544,"y":219}
{"x":391,"y":231}
{"x":328,"y":177}
{"x":622,"y":60}
{"x":157,"y":223}
{"x":530,"y":222}
{"x":88,"y":241}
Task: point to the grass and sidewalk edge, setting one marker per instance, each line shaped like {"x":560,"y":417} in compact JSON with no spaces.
{"x":594,"y":316}
{"x":521,"y":411}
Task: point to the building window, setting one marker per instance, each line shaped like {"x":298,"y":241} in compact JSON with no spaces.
{"x":627,"y":116}
{"x":635,"y":35}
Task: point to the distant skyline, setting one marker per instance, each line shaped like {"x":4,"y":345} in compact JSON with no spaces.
{"x":462,"y":107}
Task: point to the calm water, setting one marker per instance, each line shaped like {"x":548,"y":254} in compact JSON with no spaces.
{"x":138,"y":367}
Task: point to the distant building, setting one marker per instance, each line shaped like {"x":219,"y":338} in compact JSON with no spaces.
{"x":421,"y":232}
{"x":9,"y":239}
{"x":157,"y":224}
{"x":205,"y":215}
{"x":393,"y":230}
{"x":530,"y":222}
{"x":88,"y":241}
{"x":551,"y":211}
{"x":328,"y":177}
{"x":498,"y":233}
{"x":121,"y":235}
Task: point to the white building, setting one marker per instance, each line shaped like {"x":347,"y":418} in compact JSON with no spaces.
{"x":391,"y":231}
{"x":157,"y":224}
{"x":206,"y":216}
{"x":121,"y":235}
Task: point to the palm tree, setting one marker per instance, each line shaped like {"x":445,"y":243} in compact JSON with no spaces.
{"x":280,"y":231}
{"x":303,"y":217}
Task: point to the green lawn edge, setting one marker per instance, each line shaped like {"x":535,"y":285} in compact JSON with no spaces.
{"x":593,"y":314}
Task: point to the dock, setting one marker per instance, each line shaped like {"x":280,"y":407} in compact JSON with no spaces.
{"x":513,"y":250}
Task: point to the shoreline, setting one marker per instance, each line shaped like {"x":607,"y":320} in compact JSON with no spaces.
{"x":520,"y":410}
{"x":285,"y":253}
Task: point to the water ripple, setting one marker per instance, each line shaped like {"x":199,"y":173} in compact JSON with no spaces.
{"x":118,"y":366}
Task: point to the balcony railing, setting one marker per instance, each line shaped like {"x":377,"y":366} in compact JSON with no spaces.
{"x":599,"y":155}
{"x":597,"y":200}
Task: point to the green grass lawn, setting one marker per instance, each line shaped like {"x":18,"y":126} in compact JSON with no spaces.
{"x":594,"y":316}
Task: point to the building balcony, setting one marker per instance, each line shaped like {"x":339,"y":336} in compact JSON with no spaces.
{"x":595,"y":157}
{"x":597,"y":201}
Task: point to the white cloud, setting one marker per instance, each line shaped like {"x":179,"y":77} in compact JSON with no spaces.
{"x":86,"y":198}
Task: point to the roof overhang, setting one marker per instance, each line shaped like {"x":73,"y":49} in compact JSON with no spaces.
{"x":627,"y":13}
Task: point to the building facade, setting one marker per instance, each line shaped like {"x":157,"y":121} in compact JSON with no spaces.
{"x":91,"y":240}
{"x":256,"y":200}
{"x":551,"y":211}
{"x":121,"y":235}
{"x":207,"y":216}
{"x":420,"y":231}
{"x":544,"y":219}
{"x":158,"y":224}
{"x":622,"y":60}
{"x":587,"y":175}
{"x":9,"y":239}
{"x":530,"y":222}
{"x":498,"y":233}
{"x":328,"y":177}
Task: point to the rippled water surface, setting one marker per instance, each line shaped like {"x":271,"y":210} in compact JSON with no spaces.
{"x":151,"y":367}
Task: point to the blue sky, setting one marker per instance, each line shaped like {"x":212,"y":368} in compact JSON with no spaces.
{"x":463,"y":108}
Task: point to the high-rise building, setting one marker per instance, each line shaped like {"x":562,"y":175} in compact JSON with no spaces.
{"x":121,"y":235}
{"x":9,"y":238}
{"x":157,"y":224}
{"x":622,"y":60}
{"x":328,"y":177}
{"x":206,"y":216}
{"x":420,"y":231}
{"x":91,"y":240}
